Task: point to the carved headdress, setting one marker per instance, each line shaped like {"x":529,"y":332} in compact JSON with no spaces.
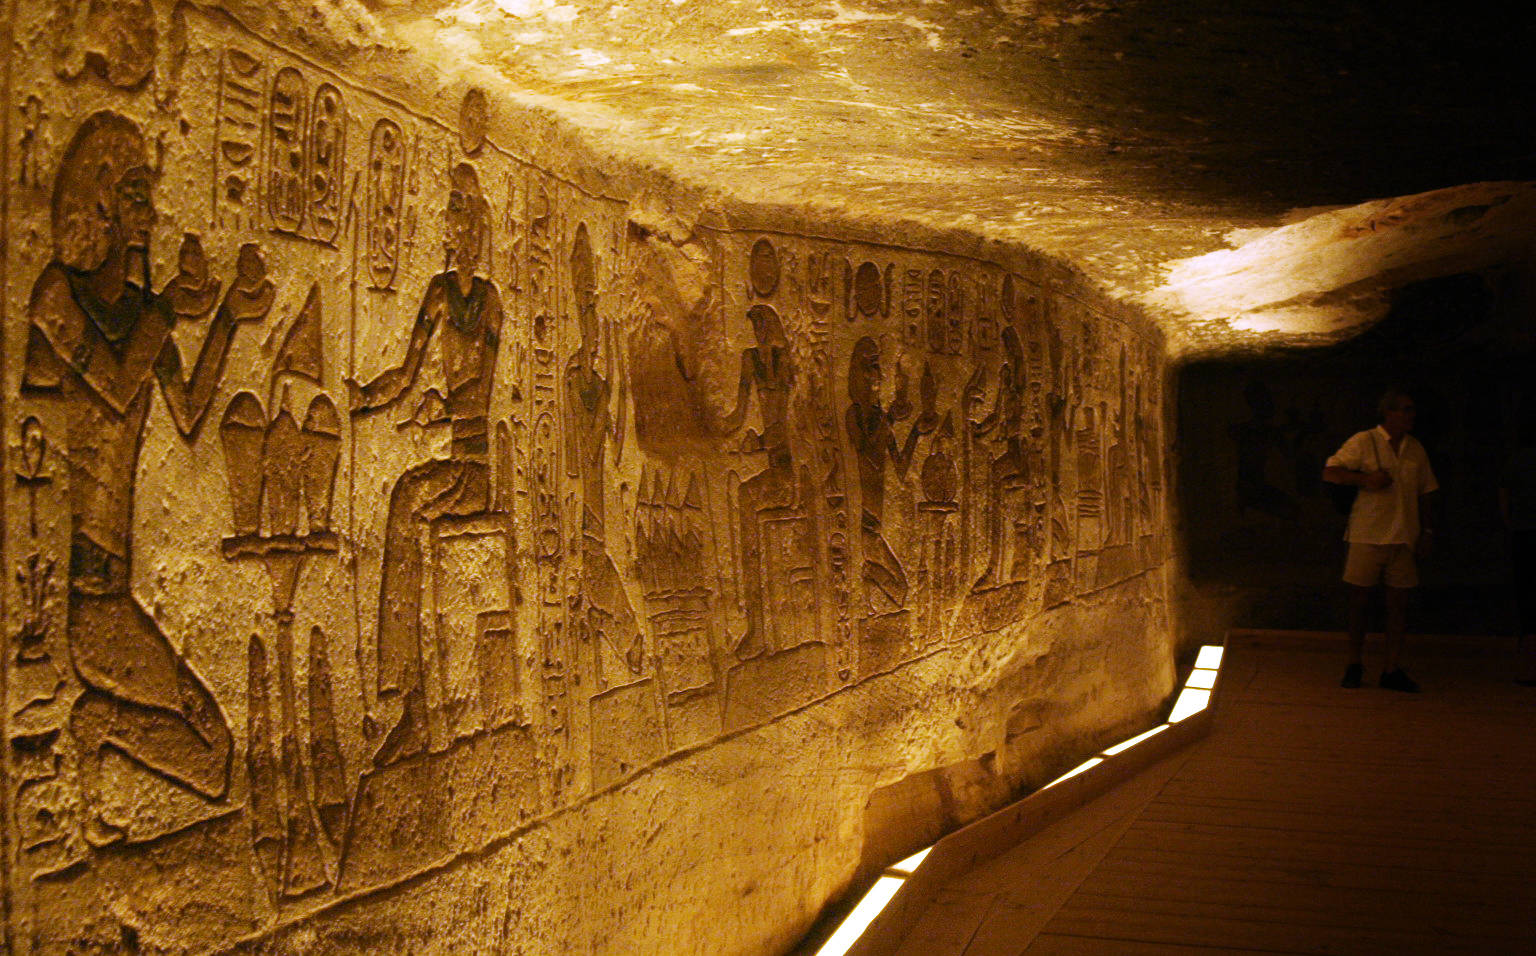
{"x":105,"y":149}
{"x":465,"y":182}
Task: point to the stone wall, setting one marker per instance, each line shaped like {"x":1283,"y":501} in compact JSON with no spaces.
{"x":422,"y":538}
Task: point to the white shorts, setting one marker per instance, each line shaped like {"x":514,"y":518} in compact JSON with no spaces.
{"x":1370,"y":564}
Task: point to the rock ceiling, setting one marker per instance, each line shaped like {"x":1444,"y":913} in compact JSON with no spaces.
{"x":1120,"y":135}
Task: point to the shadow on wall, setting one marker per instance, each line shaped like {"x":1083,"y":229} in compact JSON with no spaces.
{"x":1260,"y":530}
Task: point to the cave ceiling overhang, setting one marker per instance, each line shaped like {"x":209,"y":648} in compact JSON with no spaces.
{"x":1254,"y":174}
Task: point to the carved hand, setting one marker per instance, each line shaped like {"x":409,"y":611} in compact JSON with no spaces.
{"x":251,"y":294}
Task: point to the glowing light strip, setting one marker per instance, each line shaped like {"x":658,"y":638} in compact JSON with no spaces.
{"x":1085,"y":765}
{"x":909,"y":866}
{"x":1195,"y":697}
{"x":1191,"y":701}
{"x":1202,"y":678}
{"x":858,"y":921}
{"x":1125,"y":745}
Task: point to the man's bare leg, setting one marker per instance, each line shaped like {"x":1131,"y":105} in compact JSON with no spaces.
{"x":1397,"y":626}
{"x":1392,"y":676}
{"x":1359,"y":607}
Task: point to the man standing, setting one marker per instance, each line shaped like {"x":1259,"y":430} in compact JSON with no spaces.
{"x":1387,"y":527}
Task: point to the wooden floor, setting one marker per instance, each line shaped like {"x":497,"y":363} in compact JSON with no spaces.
{"x":1312,"y":820}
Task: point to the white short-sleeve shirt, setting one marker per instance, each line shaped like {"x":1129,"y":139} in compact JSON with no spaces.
{"x":1390,"y":515}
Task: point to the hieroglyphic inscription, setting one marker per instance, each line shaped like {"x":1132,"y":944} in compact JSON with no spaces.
{"x":31,"y":471}
{"x":474,"y":114}
{"x":242,"y":90}
{"x":28,"y":160}
{"x":325,"y":161}
{"x":287,"y":127}
{"x":386,"y":174}
{"x":763,"y":269}
{"x":517,"y":603}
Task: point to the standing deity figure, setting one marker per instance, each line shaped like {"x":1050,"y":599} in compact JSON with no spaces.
{"x":1059,"y":408}
{"x":769,"y":368}
{"x":609,"y":616}
{"x":464,"y":310}
{"x":98,"y":341}
{"x":871,"y":429}
{"x":1009,"y":474}
{"x":588,"y":391}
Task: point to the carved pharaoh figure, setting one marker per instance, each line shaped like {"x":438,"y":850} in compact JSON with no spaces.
{"x":98,"y":341}
{"x":1009,"y":473}
{"x":1059,"y":403}
{"x":464,"y":310}
{"x":767,"y":368}
{"x":609,"y":615}
{"x":870,"y":428}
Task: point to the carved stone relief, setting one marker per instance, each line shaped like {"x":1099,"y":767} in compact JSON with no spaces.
{"x":511,"y":508}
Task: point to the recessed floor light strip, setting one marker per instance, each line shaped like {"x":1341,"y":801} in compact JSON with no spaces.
{"x":1193,"y":698}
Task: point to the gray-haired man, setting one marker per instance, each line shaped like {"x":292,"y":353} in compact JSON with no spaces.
{"x":1388,"y":528}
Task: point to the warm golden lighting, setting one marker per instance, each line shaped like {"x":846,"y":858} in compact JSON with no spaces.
{"x":1125,"y":745}
{"x":1210,"y":657}
{"x":1195,"y":697}
{"x":869,"y":907}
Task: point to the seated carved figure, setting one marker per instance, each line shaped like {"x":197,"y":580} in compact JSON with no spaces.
{"x":98,"y":341}
{"x":465,"y":311}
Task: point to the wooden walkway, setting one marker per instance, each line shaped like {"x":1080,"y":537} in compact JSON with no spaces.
{"x":1312,"y":820}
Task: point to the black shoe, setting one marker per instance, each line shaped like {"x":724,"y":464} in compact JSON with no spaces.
{"x":1397,"y":680}
{"x":1351,"y":676}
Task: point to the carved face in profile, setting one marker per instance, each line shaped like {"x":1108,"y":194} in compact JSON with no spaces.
{"x":468,"y":218}
{"x":766,"y":327}
{"x":864,"y":372}
{"x":102,"y":195}
{"x":135,"y":211}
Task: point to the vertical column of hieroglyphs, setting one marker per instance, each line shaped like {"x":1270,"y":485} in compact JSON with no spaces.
{"x":7,"y":494}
